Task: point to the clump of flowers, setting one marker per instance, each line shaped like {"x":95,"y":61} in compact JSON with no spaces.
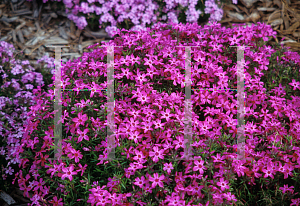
{"x":149,"y":85}
{"x":138,"y":15}
{"x":17,"y":81}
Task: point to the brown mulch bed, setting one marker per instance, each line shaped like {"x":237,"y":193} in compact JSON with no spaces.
{"x":31,"y":27}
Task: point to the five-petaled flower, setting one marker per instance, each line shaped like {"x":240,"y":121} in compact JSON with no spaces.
{"x":156,"y":180}
{"x":168,"y":167}
{"x":157,"y":154}
{"x":39,"y":185}
{"x":223,"y":184}
{"x":68,"y":172}
{"x":80,"y":120}
{"x":75,"y":154}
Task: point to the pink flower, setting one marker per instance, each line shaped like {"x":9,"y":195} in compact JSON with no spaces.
{"x":39,"y":185}
{"x":80,"y":120}
{"x":141,"y":77}
{"x":166,"y":114}
{"x":139,"y":181}
{"x":168,"y":167}
{"x":147,"y":127}
{"x":268,"y":172}
{"x":135,"y":136}
{"x":82,"y":169}
{"x":287,"y":188}
{"x":158,"y":124}
{"x":75,"y":154}
{"x":229,"y":196}
{"x":223,"y":184}
{"x":156,"y":180}
{"x":82,"y":135}
{"x":139,"y":156}
{"x":68,"y":173}
{"x":143,"y":97}
{"x":126,"y":72}
{"x":295,"y":84}
{"x":199,"y":166}
{"x":218,"y":158}
{"x":151,"y":72}
{"x":157,"y":154}
{"x":56,"y":202}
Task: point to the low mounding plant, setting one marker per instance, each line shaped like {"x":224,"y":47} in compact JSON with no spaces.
{"x":17,"y":81}
{"x":149,"y":72}
{"x":138,"y":15}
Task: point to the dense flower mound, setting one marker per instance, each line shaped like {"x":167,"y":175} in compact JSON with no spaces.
{"x":17,"y":81}
{"x":149,"y":73}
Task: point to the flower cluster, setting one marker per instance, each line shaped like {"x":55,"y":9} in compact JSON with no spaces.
{"x":140,"y":13}
{"x":149,"y":121}
{"x":17,"y":81}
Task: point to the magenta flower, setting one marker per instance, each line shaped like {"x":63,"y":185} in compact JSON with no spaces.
{"x":139,"y":181}
{"x":156,"y":180}
{"x":268,"y":172}
{"x":135,"y":136}
{"x":82,"y":135}
{"x":75,"y":154}
{"x":68,"y":173}
{"x":287,"y":188}
{"x":199,"y":166}
{"x":139,"y":156}
{"x":39,"y":185}
{"x":147,"y":127}
{"x":157,"y":154}
{"x":168,"y":167}
{"x":143,"y":97}
{"x":295,"y":84}
{"x":223,"y":184}
{"x":126,"y":72}
{"x":56,"y":202}
{"x":80,"y":120}
{"x":166,"y":114}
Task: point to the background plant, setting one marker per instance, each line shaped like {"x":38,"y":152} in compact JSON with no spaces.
{"x":17,"y":81}
{"x":138,"y":15}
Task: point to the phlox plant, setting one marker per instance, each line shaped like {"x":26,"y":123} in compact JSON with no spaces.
{"x":149,"y":85}
{"x":138,"y":15}
{"x":17,"y":81}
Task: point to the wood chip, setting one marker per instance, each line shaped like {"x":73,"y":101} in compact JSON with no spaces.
{"x":235,"y":15}
{"x":278,"y":3}
{"x":14,"y":36}
{"x":53,"y":15}
{"x":23,"y":23}
{"x":22,"y":12}
{"x":286,"y":22}
{"x":37,"y":26}
{"x":294,"y":26}
{"x":62,"y":33}
{"x":274,"y":15}
{"x":26,"y":33}
{"x":276,"y":22}
{"x":254,"y":17}
{"x":20,"y":35}
{"x":248,"y":3}
{"x":56,"y":40}
{"x":8,"y":20}
{"x":71,"y":35}
{"x":7,"y":198}
{"x":265,"y":9}
{"x":296,"y":34}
